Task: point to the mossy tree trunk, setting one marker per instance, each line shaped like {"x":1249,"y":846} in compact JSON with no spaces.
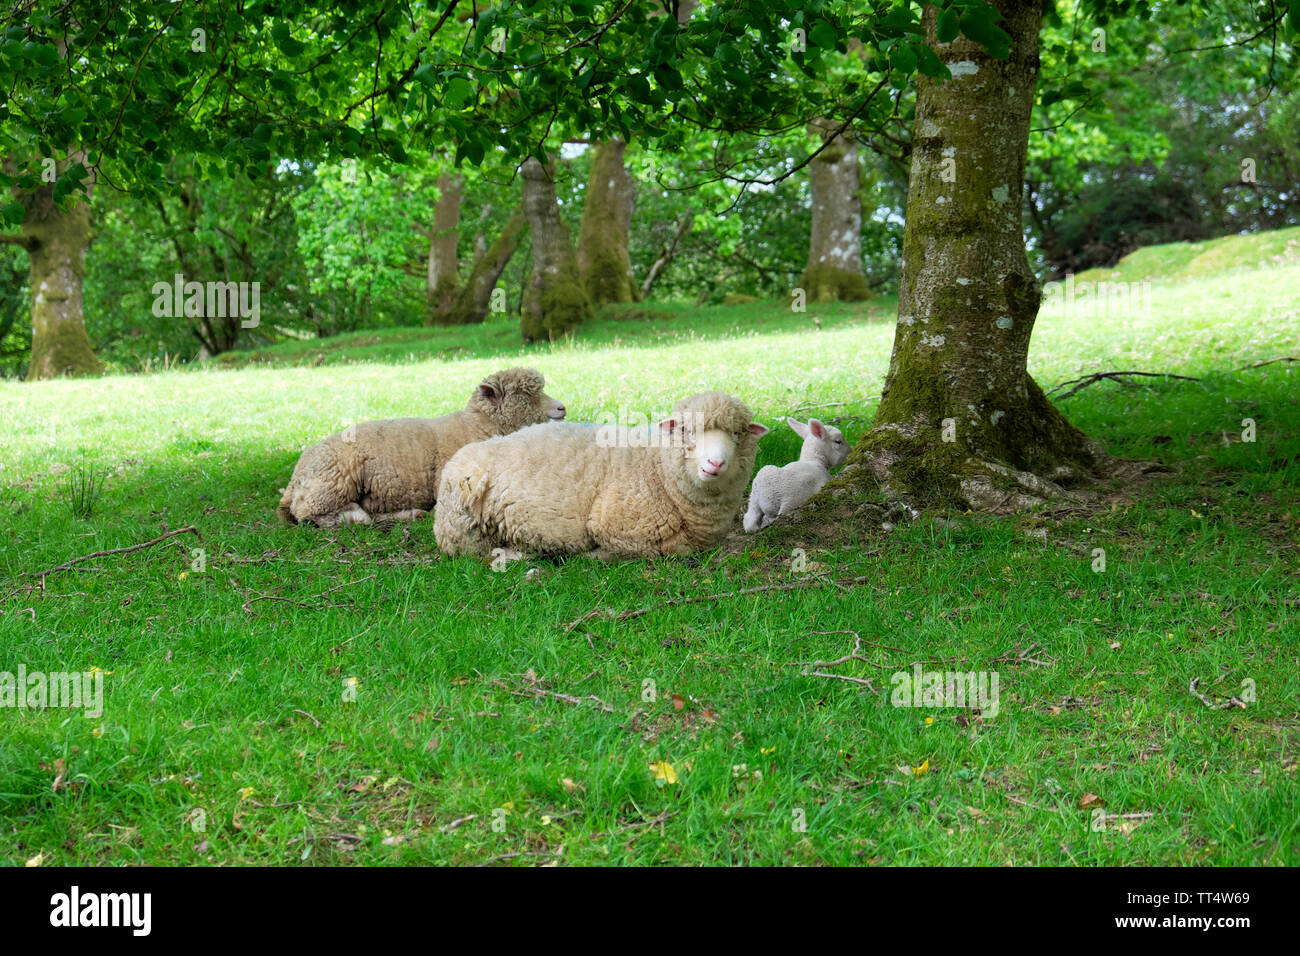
{"x":56,"y":241}
{"x":473,"y":300}
{"x":834,"y":270}
{"x":604,"y":263}
{"x":444,"y":238}
{"x":960,"y":420}
{"x":554,"y":300}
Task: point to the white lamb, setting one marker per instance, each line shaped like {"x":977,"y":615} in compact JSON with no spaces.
{"x":607,"y":492}
{"x":390,"y":469}
{"x":779,"y":491}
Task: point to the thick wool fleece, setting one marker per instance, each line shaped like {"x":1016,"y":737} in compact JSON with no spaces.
{"x":394,"y":466}
{"x":564,"y":488}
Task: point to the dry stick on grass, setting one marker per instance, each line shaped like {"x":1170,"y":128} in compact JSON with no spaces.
{"x":512,"y":856}
{"x":1087,"y":380}
{"x":272,"y":597}
{"x":1023,"y":655}
{"x":705,"y":598}
{"x":1031,"y":806}
{"x":188,"y":529}
{"x":809,"y":671}
{"x":1281,"y":358}
{"x":666,"y":815}
{"x":541,"y":693}
{"x":459,"y":821}
{"x":1230,"y":702}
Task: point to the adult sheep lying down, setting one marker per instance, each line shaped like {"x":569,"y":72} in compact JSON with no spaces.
{"x":390,"y":469}
{"x":608,"y":492}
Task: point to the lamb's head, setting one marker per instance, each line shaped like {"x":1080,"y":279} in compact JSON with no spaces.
{"x":513,"y":398}
{"x":714,"y":439}
{"x":825,"y":441}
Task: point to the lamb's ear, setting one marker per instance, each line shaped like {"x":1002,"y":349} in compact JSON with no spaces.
{"x":799,"y":427}
{"x":490,"y":393}
{"x":817,"y":428}
{"x":668,"y":426}
{"x":757,"y":430}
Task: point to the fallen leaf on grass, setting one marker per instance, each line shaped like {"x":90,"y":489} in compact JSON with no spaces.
{"x":663,"y":772}
{"x":1090,"y":800}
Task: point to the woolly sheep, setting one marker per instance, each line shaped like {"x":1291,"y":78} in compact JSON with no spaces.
{"x":607,"y":492}
{"x":390,"y":469}
{"x":779,"y":491}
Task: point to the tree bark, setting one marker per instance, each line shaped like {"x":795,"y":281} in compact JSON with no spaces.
{"x":57,"y":241}
{"x":834,"y":270}
{"x":444,"y":267}
{"x":554,"y":302}
{"x":961,"y":422}
{"x":604,"y":263}
{"x":473,"y":300}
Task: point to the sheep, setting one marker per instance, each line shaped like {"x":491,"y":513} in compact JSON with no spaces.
{"x":389,"y":470}
{"x":606,"y":492}
{"x":779,"y":491}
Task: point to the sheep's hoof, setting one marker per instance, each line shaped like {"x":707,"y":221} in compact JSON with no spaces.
{"x":354,"y":514}
{"x":502,"y":557}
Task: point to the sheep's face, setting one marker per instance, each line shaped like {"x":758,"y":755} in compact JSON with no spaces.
{"x":829,"y":438}
{"x":713,"y":445}
{"x":515,"y":399}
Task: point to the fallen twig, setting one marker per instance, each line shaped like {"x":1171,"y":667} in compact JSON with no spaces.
{"x":188,"y":529}
{"x":1230,"y":702}
{"x":628,"y":615}
{"x":512,"y":856}
{"x":273,"y":597}
{"x":666,"y":815}
{"x":459,"y":821}
{"x":1087,"y":380}
{"x":812,"y":668}
{"x":1280,"y":358}
{"x":530,"y":689}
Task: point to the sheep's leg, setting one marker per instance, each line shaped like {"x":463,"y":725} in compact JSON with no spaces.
{"x":503,"y":557}
{"x":410,"y":514}
{"x":349,"y":515}
{"x":754,"y":517}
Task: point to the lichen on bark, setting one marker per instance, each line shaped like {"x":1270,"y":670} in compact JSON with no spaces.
{"x":554,"y":300}
{"x":57,"y":240}
{"x":834,"y":269}
{"x":961,"y":422}
{"x":604,"y":262}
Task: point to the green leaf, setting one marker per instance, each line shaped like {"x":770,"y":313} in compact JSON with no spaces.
{"x":459,"y":92}
{"x":903,"y":58}
{"x":948,"y":28}
{"x":979,"y":26}
{"x":823,"y":35}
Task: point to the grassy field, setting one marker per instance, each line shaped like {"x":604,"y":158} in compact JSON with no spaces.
{"x":277,"y":695}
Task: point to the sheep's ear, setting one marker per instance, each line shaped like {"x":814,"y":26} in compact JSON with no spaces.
{"x":817,"y":428}
{"x":799,"y":427}
{"x":668,"y":426}
{"x":757,"y":430}
{"x":490,"y":393}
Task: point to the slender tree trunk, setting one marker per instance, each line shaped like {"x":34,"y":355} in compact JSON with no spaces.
{"x":667,"y":254}
{"x":834,"y":270}
{"x":554,"y":303}
{"x":444,"y":267}
{"x":960,"y":421}
{"x":603,"y":259}
{"x":56,"y":241}
{"x":473,"y":300}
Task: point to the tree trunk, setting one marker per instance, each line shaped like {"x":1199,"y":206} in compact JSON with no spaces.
{"x":473,"y":300}
{"x":603,"y":260}
{"x":57,"y":241}
{"x":960,"y":420}
{"x":834,"y":271}
{"x":444,"y":267}
{"x":554,"y":303}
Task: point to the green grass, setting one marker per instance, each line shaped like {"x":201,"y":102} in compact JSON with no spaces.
{"x":227,"y":686}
